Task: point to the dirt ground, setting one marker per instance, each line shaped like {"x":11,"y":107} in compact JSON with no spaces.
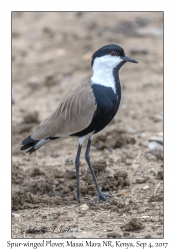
{"x":51,"y":54}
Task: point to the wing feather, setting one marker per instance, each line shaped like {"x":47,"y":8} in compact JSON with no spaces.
{"x":72,"y":115}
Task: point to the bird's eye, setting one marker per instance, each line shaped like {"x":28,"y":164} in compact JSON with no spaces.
{"x":113,"y":53}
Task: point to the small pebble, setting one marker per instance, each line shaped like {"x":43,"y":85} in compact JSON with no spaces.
{"x":44,"y":216}
{"x":64,"y":218}
{"x":132,"y":225}
{"x":54,"y":155}
{"x":129,"y":161}
{"x":114,"y":235}
{"x":152,"y":204}
{"x":56,"y":182}
{"x":148,"y":236}
{"x":126,"y":234}
{"x":83,"y":208}
{"x":145,"y":187}
{"x":153,"y":145}
{"x":158,"y":197}
{"x":158,"y":118}
{"x":156,"y":139}
{"x":15,"y":215}
{"x":145,"y":217}
{"x":151,"y":170}
{"x":159,"y":233}
{"x":150,"y":157}
{"x":33,"y":82}
{"x":140,"y":180}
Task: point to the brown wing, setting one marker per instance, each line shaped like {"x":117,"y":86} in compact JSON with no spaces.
{"x":72,"y":115}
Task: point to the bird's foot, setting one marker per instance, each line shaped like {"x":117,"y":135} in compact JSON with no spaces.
{"x":101,"y":196}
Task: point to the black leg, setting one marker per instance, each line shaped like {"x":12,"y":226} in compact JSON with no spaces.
{"x":77,"y":165}
{"x":100,"y":195}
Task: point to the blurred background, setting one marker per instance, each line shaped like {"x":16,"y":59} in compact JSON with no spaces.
{"x":51,"y":56}
{"x":51,"y":52}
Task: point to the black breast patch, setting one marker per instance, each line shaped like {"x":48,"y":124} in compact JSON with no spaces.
{"x":107,"y":105}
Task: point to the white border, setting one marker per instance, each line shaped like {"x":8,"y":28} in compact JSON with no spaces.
{"x":5,"y":79}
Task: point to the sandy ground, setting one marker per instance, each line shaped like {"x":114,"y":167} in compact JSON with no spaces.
{"x":51,"y":55}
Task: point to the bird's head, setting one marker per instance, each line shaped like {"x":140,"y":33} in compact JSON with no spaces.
{"x":110,"y":56}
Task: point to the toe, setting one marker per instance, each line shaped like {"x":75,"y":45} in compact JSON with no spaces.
{"x":108,"y":195}
{"x":101,"y":196}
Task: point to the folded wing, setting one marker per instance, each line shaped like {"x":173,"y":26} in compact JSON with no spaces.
{"x":72,"y":115}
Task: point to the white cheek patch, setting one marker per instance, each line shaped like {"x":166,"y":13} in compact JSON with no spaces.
{"x":103,"y":70}
{"x":109,"y":61}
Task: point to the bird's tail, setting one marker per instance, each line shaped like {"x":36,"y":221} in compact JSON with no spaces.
{"x":29,"y":143}
{"x":34,"y":145}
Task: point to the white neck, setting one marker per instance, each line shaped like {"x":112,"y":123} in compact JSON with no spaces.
{"x":103,"y":71}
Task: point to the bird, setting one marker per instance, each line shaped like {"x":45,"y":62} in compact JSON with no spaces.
{"x":85,"y":111}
